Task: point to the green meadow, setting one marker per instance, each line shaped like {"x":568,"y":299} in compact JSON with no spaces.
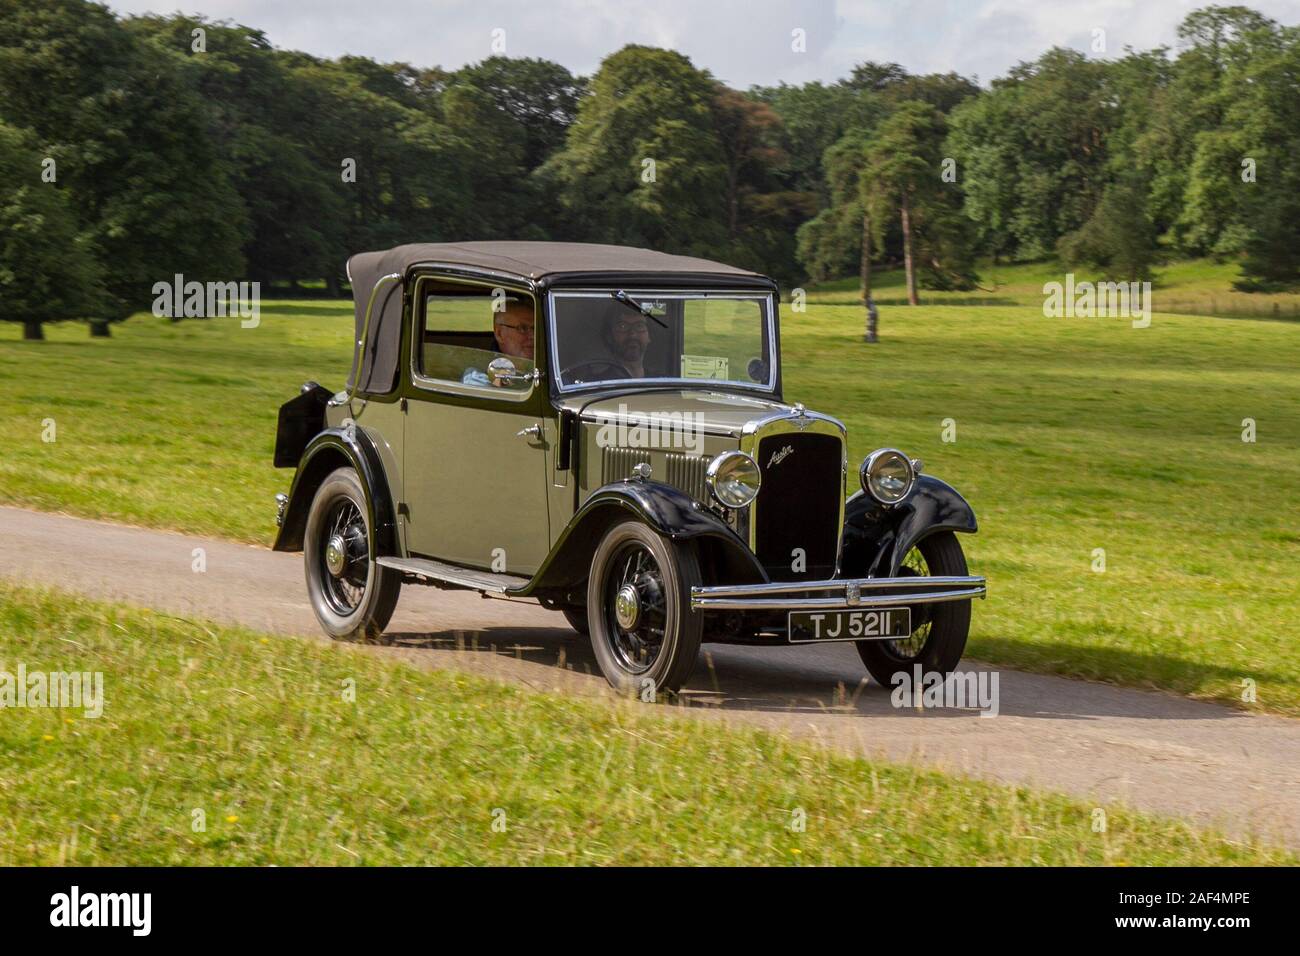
{"x":1185,"y":286}
{"x":1128,"y":531}
{"x":220,"y":747}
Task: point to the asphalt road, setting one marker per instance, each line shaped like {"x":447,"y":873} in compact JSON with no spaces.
{"x":1154,"y":751}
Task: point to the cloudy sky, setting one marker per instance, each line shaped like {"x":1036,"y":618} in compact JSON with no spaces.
{"x":742,"y":41}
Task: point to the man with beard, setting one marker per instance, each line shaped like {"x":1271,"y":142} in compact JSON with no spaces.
{"x":627,"y":337}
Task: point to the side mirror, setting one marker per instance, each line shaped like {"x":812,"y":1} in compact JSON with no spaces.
{"x":503,"y":372}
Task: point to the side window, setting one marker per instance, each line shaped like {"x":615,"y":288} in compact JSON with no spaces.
{"x":476,"y":336}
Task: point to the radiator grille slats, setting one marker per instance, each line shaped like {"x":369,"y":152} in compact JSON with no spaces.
{"x":798,"y":505}
{"x":685,"y":472}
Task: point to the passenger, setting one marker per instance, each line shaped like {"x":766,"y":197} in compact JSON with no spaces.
{"x":512,"y":334}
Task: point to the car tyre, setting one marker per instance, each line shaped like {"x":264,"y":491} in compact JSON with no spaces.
{"x":353,"y":597}
{"x":643,"y":632}
{"x":939,"y":630}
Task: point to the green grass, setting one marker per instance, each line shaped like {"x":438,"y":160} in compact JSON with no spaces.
{"x":165,"y":424}
{"x":1079,"y":434}
{"x":256,"y":733}
{"x":1191,"y":286}
{"x":1072,"y":435}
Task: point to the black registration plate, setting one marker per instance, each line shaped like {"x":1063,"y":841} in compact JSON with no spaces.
{"x":879,"y":624}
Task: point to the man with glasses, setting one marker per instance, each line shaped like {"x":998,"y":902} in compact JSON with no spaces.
{"x":627,"y":337}
{"x":512,"y":333}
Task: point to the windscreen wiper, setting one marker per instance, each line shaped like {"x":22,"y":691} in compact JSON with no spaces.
{"x":622,"y":298}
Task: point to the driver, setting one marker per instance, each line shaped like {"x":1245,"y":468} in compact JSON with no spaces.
{"x":627,"y":337}
{"x":512,"y":334}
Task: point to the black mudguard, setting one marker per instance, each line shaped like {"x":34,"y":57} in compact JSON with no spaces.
{"x":334,"y":448}
{"x":877,"y":537}
{"x":668,"y":510}
{"x":301,"y":419}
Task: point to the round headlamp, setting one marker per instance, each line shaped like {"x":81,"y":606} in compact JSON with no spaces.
{"x":887,"y":475}
{"x":733,"y":479}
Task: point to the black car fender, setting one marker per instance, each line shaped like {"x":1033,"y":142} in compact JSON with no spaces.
{"x":724,"y":554}
{"x":877,"y":537}
{"x":336,"y":448}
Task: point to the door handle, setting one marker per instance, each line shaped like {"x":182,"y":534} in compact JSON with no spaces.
{"x":532,"y":432}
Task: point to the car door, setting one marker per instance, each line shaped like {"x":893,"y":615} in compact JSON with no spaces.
{"x":475,"y":470}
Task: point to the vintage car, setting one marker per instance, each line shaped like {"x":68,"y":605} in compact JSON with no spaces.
{"x":603,"y":430}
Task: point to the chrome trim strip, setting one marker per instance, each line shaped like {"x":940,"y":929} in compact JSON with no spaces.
{"x":355,"y":375}
{"x":794,"y":604}
{"x":472,"y":578}
{"x":862,"y":584}
{"x":779,"y":597}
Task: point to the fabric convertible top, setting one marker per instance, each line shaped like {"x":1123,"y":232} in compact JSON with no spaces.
{"x":544,"y":263}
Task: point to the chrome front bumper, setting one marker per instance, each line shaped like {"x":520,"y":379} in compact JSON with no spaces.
{"x":844,"y":594}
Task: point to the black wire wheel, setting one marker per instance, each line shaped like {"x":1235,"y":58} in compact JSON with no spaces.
{"x":353,"y":597}
{"x":643,"y":632}
{"x":939,"y":631}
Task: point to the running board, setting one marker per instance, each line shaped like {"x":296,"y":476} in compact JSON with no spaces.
{"x":486,"y":581}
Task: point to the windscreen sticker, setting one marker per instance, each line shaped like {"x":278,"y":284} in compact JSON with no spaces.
{"x":704,"y":366}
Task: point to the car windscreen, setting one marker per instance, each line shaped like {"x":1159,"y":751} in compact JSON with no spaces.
{"x":635,"y":335}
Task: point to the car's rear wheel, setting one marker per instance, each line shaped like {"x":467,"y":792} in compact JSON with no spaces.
{"x":643,"y":632}
{"x":353,"y":597}
{"x":938,"y":630}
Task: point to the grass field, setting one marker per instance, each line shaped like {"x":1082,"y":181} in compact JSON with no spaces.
{"x":1071,"y":435}
{"x":257,"y":735}
{"x":1190,"y":287}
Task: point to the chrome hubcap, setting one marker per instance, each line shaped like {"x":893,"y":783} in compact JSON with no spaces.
{"x":627,"y":607}
{"x":634,"y":608}
{"x":336,"y":555}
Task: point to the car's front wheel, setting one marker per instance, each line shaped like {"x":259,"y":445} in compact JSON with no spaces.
{"x":643,"y":632}
{"x":938,"y":630}
{"x":353,"y":597}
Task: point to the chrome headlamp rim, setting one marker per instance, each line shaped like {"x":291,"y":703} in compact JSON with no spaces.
{"x":714,"y":469}
{"x":875,"y":458}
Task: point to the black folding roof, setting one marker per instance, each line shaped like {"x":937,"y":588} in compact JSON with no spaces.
{"x":546,"y":260}
{"x":540,"y":263}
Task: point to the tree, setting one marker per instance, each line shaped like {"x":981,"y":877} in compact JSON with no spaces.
{"x":814,"y":117}
{"x":256,"y":111}
{"x":902,"y":175}
{"x":1269,"y":113}
{"x":132,"y":145}
{"x":1032,"y":151}
{"x":761,"y":216}
{"x":642,"y":163}
{"x":47,"y":270}
{"x":1118,"y":239}
{"x":539,"y":96}
{"x":832,"y":243}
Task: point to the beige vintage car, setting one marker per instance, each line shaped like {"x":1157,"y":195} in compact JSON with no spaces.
{"x":603,"y":430}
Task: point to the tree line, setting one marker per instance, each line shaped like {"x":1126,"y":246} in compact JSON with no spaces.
{"x":136,"y":148}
